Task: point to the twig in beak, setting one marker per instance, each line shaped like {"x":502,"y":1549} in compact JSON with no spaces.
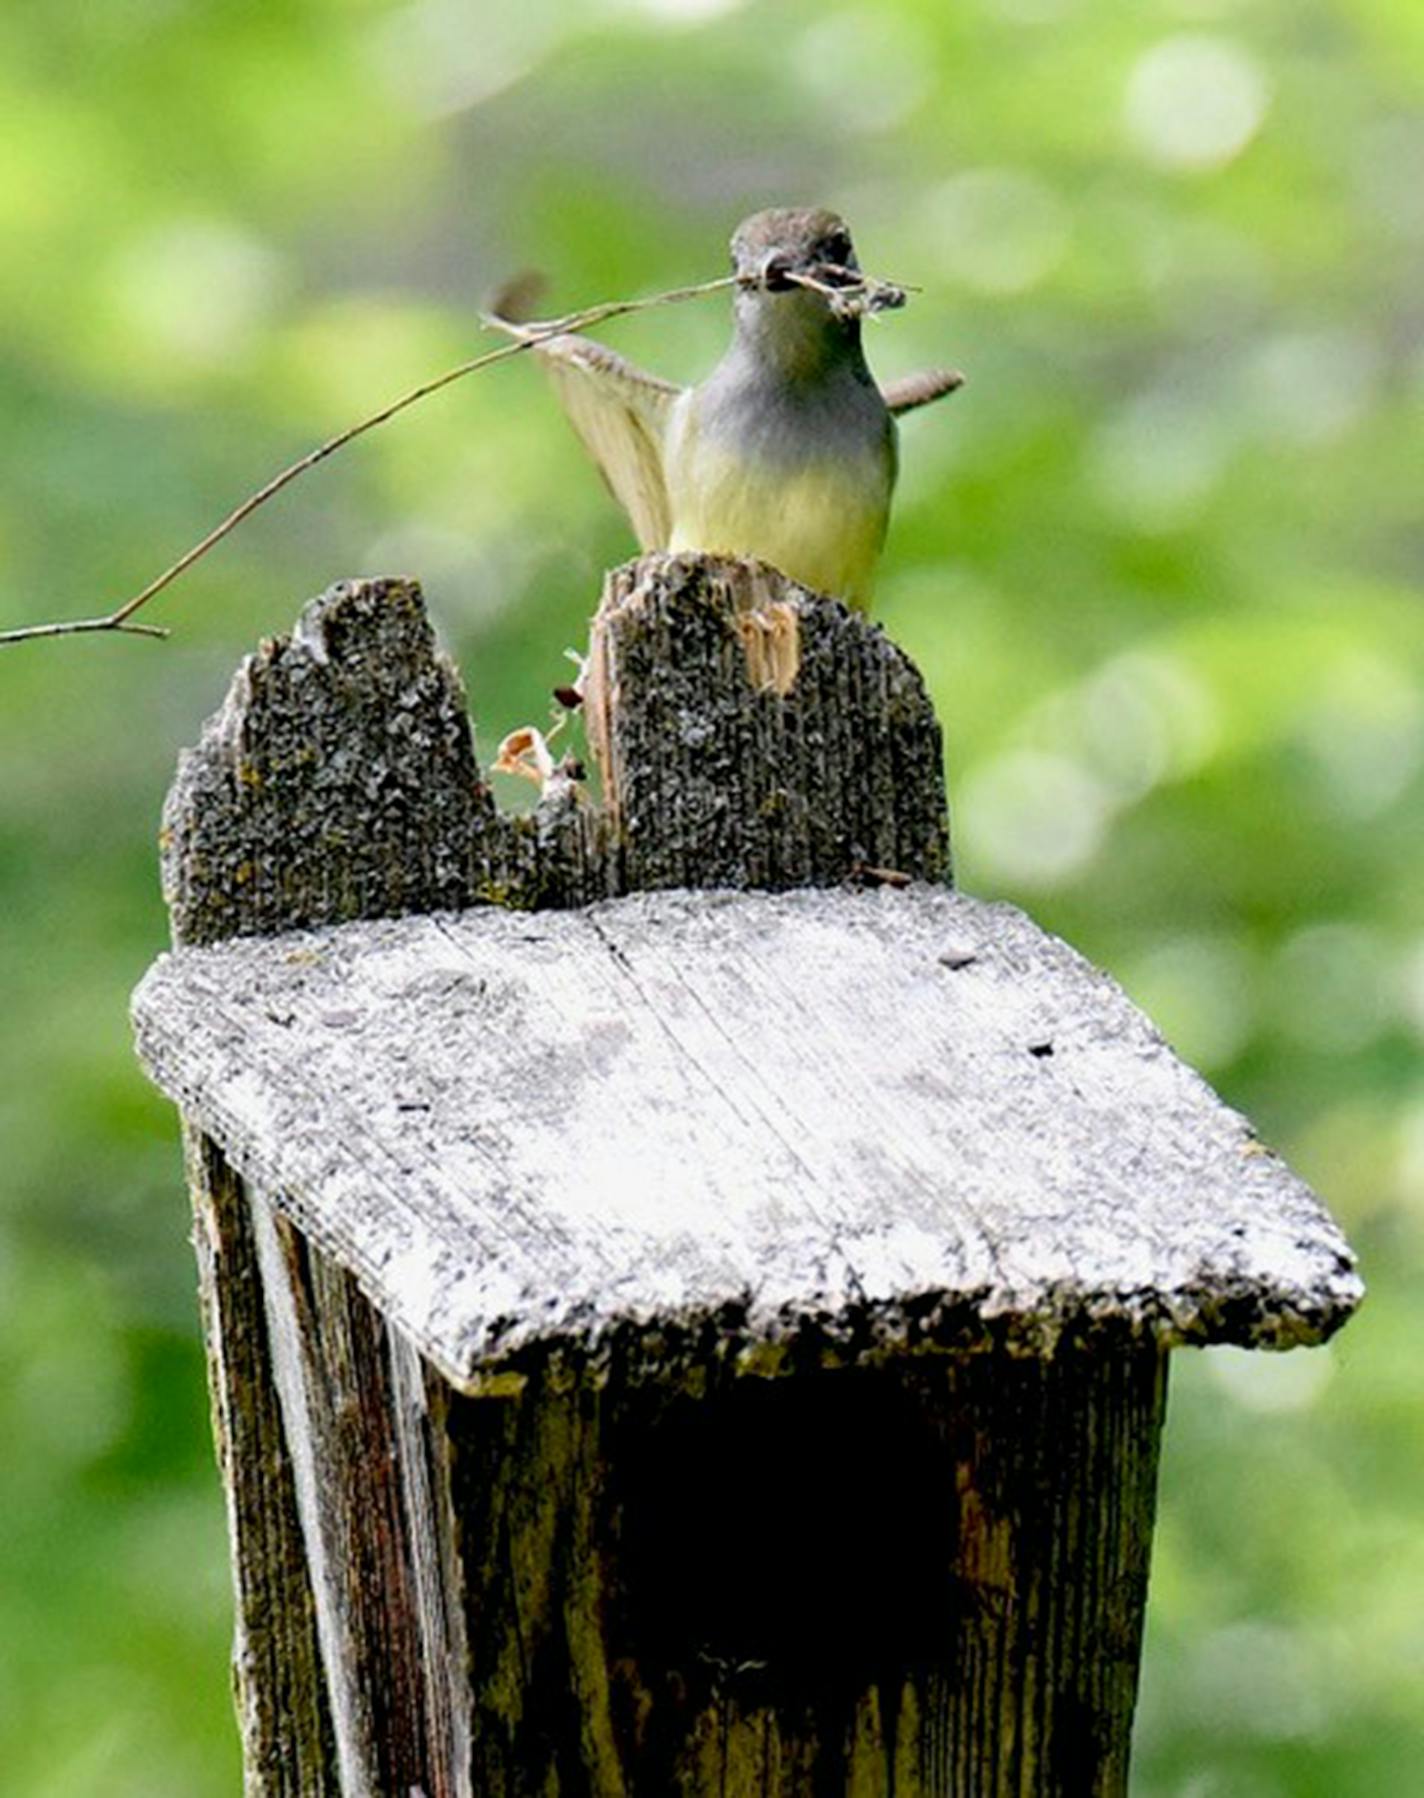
{"x":853,"y":295}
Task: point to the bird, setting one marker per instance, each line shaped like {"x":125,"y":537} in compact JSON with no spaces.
{"x":787,"y":451}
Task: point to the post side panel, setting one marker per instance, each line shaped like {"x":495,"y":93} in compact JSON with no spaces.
{"x":925,"y":1579}
{"x":369,"y":1480}
{"x":277,"y":1673}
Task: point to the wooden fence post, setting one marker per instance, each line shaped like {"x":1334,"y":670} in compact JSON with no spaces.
{"x":702,"y":1342}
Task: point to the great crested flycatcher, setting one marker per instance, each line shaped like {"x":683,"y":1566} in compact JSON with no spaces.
{"x":787,"y":451}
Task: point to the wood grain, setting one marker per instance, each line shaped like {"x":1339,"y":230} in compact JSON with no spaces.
{"x":279,"y":1683}
{"x":863,"y":1121}
{"x":925,"y":1579}
{"x":338,"y":780}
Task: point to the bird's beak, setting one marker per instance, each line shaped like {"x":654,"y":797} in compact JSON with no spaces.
{"x":774,"y":273}
{"x":842,"y":286}
{"x":780,"y":273}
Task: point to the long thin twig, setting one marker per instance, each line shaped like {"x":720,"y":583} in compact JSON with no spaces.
{"x":853,"y":294}
{"x":532,"y":335}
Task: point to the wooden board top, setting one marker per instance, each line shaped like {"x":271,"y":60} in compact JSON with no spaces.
{"x":821,"y":1124}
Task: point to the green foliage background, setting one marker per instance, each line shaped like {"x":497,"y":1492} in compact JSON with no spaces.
{"x":1161,"y":562}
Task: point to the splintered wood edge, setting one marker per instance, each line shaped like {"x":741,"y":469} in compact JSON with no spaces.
{"x":748,"y":733}
{"x":1301,"y":1301}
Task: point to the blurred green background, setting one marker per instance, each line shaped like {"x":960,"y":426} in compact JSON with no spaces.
{"x":1161,"y":562}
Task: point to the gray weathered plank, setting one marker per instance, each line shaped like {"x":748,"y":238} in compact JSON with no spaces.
{"x":858,"y":1119}
{"x":279,"y":1681}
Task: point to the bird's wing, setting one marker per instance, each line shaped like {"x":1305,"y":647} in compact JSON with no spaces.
{"x":619,"y":412}
{"x":920,"y":388}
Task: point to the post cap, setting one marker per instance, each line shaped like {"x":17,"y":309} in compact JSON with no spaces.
{"x":799,"y":1128}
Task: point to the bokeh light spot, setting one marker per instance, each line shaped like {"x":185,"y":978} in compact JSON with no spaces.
{"x":1271,"y":1384}
{"x":1309,"y":387}
{"x":1199,"y":991}
{"x":688,"y":12}
{"x":997,"y":230}
{"x":1033,"y":818}
{"x":1159,"y":457}
{"x":1195,"y":102}
{"x":1143,"y":717}
{"x":1364,"y":730}
{"x":1331,"y":987}
{"x":1255,"y":1678}
{"x":196,"y":290}
{"x":433,"y":57}
{"x":870,"y":69}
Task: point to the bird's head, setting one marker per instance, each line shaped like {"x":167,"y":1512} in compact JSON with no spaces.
{"x":802,"y":294}
{"x":771,"y":249}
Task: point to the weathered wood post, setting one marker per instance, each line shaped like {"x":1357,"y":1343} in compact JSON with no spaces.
{"x":668,"y":1336}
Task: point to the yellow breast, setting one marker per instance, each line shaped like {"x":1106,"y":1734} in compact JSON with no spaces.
{"x":822,"y":523}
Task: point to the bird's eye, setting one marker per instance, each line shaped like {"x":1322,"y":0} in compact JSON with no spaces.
{"x":838,"y":248}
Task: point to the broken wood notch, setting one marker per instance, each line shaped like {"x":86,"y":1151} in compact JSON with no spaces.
{"x":748,"y":734}
{"x":698,"y":1341}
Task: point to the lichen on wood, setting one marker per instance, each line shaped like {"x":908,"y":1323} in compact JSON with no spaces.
{"x":338,"y":780}
{"x":752,"y":734}
{"x":825,"y":1123}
